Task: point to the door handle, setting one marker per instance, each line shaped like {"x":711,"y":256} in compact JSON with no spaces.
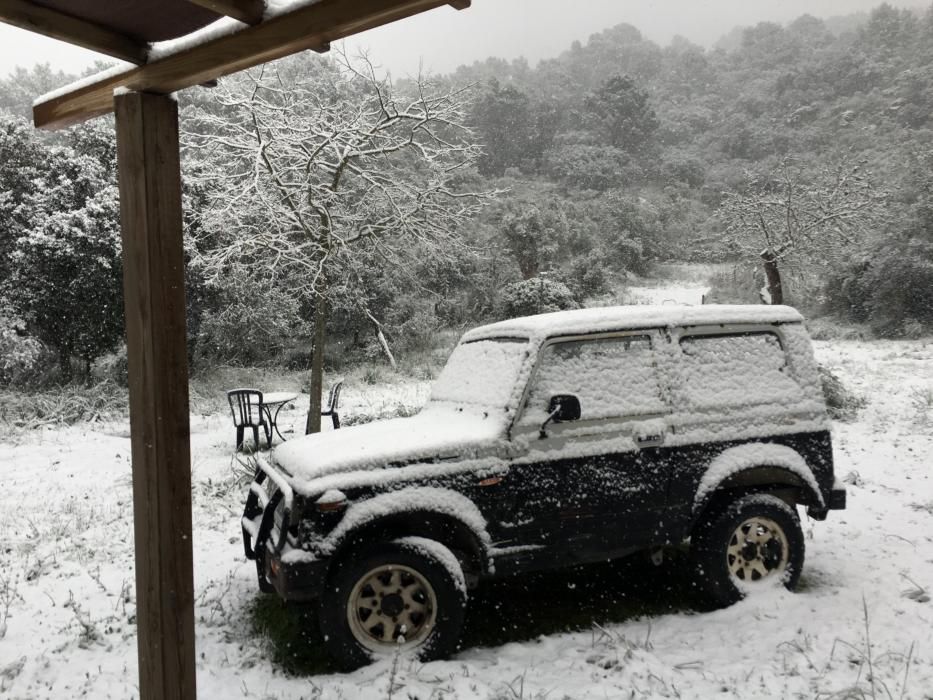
{"x":649,"y":440}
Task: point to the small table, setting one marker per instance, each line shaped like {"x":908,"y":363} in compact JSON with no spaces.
{"x":276,"y":400}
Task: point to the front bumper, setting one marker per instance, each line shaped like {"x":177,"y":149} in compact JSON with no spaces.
{"x":299,"y":580}
{"x":281,"y":565}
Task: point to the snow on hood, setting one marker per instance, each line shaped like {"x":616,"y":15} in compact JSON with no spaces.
{"x":438,"y":432}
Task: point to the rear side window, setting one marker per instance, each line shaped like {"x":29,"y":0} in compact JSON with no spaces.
{"x":612,"y":377}
{"x":735,"y":370}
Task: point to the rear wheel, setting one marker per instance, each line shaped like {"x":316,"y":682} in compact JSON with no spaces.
{"x":752,"y":542}
{"x":405,"y":595}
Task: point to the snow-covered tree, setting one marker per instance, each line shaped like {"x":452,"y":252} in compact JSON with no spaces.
{"x":803,"y":212}
{"x":67,"y":279}
{"x":313,"y":161}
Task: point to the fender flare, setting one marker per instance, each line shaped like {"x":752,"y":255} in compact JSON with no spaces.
{"x":751,"y":456}
{"x":441,"y":502}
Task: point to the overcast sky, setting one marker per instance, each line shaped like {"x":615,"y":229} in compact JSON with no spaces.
{"x":445,"y":38}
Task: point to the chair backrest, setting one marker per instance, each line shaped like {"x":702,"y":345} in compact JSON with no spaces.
{"x":246,"y":406}
{"x":333,"y":398}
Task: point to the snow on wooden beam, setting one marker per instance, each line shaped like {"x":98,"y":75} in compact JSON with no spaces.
{"x":247,"y":11}
{"x":308,"y":27}
{"x":41,"y":20}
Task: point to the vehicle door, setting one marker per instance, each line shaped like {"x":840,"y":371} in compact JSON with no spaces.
{"x":606,"y":467}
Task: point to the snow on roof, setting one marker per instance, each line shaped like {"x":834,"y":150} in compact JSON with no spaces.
{"x":164,"y":49}
{"x":612,"y":318}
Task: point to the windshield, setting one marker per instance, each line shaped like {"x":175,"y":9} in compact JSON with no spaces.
{"x":482,"y":372}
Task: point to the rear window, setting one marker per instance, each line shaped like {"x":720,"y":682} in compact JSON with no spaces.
{"x":735,"y":370}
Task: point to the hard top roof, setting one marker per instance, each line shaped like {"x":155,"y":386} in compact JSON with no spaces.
{"x":612,"y":318}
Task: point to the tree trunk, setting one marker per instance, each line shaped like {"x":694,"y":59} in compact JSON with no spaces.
{"x":64,"y":363}
{"x":773,"y":276}
{"x":381,"y":337}
{"x":313,"y":423}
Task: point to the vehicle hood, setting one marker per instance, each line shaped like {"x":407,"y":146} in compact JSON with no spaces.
{"x":439,"y":432}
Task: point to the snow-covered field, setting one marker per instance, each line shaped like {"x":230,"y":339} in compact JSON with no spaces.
{"x":861,"y":624}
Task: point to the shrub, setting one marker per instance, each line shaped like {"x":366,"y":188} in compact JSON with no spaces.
{"x":19,"y":353}
{"x":842,"y":403}
{"x":587,"y":277}
{"x":535,"y":296}
{"x":67,"y":280}
{"x":253,"y":326}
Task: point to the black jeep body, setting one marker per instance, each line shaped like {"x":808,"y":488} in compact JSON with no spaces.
{"x":565,"y":439}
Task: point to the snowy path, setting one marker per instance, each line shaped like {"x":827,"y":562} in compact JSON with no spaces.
{"x":66,"y":581}
{"x":689,"y":294}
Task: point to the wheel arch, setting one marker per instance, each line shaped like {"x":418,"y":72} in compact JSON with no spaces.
{"x":439,"y":514}
{"x":757,"y":467}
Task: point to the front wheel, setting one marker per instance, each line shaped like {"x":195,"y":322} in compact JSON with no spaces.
{"x":404,"y":595}
{"x":754,"y":541}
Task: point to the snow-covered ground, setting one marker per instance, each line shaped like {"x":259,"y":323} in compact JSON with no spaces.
{"x":863,"y":613}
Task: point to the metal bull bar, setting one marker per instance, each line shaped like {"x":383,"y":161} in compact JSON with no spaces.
{"x":259,"y":503}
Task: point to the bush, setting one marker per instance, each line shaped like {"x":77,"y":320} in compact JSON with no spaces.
{"x":114,"y":367}
{"x":902,"y":291}
{"x":19,"y":353}
{"x":67,"y":280}
{"x":841,"y":403}
{"x":252,"y":327}
{"x":891,"y":289}
{"x":535,"y":296}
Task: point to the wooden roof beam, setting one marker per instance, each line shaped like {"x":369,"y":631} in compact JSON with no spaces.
{"x":247,"y":11}
{"x":308,"y":27}
{"x":57,"y":25}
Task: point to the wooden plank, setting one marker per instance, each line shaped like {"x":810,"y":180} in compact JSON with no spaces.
{"x":41,"y":20}
{"x":154,"y":299}
{"x":309,"y":27}
{"x":247,"y":11}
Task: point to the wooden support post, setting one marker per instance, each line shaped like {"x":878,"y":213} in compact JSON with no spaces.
{"x":154,"y":297}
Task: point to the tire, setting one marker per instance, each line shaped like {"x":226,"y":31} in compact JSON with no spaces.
{"x":753,"y":541}
{"x":407,"y":595}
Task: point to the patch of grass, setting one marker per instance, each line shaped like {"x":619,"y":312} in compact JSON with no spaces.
{"x":64,"y":405}
{"x":830,"y":328}
{"x":292,"y":631}
{"x":921,"y":400}
{"x":372,"y":375}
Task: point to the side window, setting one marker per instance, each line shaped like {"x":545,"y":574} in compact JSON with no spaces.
{"x":735,"y":370}
{"x":612,"y":377}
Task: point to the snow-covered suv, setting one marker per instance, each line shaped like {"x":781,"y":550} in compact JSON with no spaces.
{"x":550,"y":441}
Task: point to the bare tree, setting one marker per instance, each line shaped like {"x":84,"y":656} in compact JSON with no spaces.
{"x":315,"y":160}
{"x":794,"y":211}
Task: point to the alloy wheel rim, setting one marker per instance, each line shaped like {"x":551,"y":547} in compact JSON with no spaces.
{"x":391,"y":607}
{"x":758,"y":549}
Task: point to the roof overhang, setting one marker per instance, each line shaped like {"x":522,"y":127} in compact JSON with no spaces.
{"x":197,"y":59}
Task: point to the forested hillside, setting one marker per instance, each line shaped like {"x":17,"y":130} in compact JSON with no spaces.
{"x":641,"y":144}
{"x":800,"y":154}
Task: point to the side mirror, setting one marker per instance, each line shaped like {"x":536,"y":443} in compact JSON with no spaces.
{"x":561,"y":407}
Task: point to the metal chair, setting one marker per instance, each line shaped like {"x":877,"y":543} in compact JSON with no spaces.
{"x":333,"y":399}
{"x":249,"y":412}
